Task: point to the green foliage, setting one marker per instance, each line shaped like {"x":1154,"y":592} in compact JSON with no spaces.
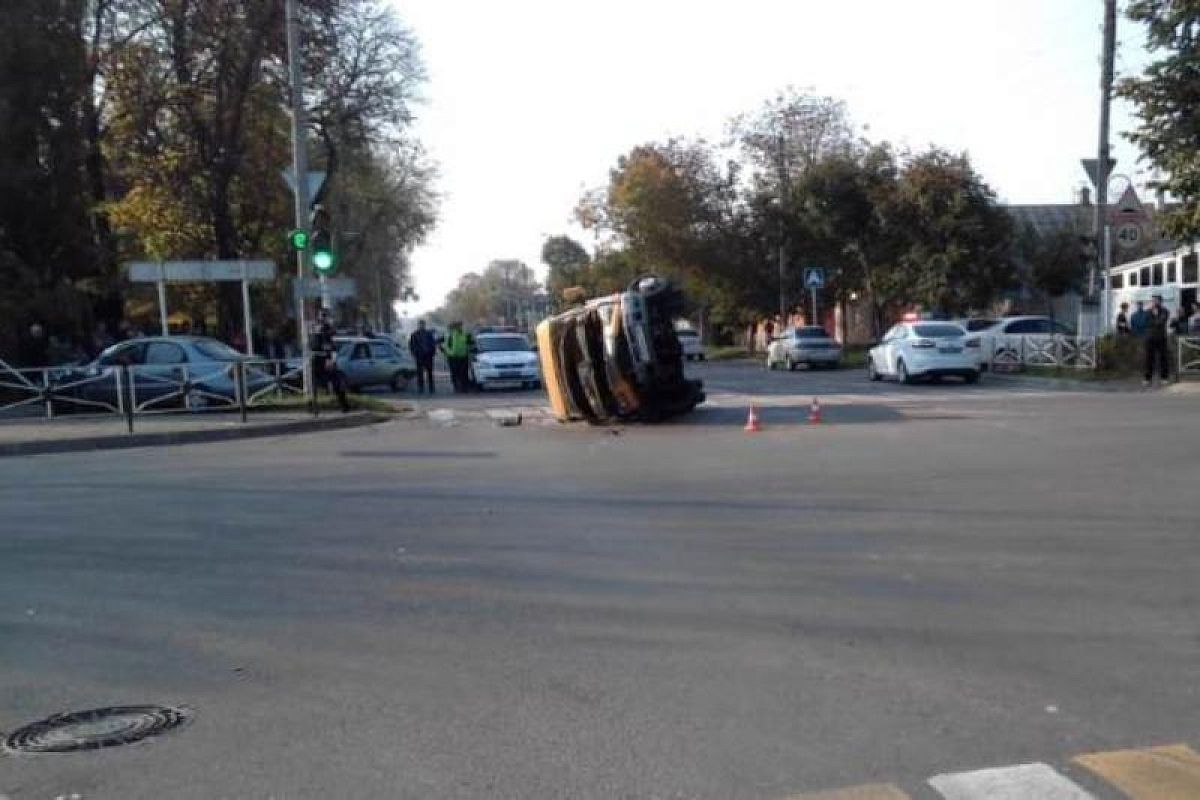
{"x":956,"y":241}
{"x":506,"y":292}
{"x":568,"y":265}
{"x":142,"y":128}
{"x":1166,"y":99}
{"x":46,"y":246}
{"x":1057,"y":262}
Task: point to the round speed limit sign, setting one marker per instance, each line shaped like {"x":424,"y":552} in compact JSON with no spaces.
{"x":1129,"y":235}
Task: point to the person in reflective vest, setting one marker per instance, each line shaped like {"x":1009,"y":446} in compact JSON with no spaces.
{"x":457,"y":349}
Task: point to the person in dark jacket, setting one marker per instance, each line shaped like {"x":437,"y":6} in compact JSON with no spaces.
{"x":1157,"y":320}
{"x":324,"y":360}
{"x":1123,"y":328}
{"x":423,"y":347}
{"x":1137,"y":322}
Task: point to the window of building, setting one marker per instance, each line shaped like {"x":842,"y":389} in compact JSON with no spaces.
{"x":1189,"y":269}
{"x":1144,"y":279}
{"x":1117,"y":281}
{"x":1171,"y":272}
{"x":1157,"y":275}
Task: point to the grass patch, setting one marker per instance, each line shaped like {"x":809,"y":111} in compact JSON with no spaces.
{"x":729,"y":354}
{"x":855,"y":357}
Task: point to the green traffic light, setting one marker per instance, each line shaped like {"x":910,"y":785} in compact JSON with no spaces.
{"x":323,"y":262}
{"x":298,"y":239}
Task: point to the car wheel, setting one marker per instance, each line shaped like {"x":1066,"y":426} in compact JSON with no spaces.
{"x":902,"y":372}
{"x":873,"y":373}
{"x":972,"y":377}
{"x":701,"y":356}
{"x":399,"y":382}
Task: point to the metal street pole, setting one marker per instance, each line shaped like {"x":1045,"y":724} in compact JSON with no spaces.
{"x":300,"y":169}
{"x":782,"y":231}
{"x":1107,"y":58}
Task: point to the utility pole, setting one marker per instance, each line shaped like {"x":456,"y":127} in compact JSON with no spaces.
{"x":1107,"y":59}
{"x":300,"y":170}
{"x":782,"y":234}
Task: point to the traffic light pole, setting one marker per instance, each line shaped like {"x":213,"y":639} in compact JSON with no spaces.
{"x":300,"y":170}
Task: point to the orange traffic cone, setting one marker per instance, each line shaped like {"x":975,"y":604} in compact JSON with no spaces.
{"x":814,"y":412}
{"x":752,"y":425}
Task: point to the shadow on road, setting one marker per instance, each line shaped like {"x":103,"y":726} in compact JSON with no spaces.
{"x":407,"y":454}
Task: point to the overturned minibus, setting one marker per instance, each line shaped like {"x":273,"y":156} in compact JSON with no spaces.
{"x":617,"y":358}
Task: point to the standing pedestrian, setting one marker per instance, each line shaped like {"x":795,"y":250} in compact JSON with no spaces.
{"x":1139,"y":320}
{"x":423,"y":347}
{"x":457,"y":349}
{"x":1123,"y":328}
{"x":1179,"y":322}
{"x":1156,"y":340}
{"x":324,"y":360}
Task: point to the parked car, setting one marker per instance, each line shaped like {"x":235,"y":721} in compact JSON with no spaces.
{"x":693,"y":348}
{"x":374,"y":361}
{"x":160,"y":366}
{"x":999,"y":336}
{"x":809,"y":345}
{"x":504,"y":359}
{"x":976,"y":324}
{"x":912,"y":350}
{"x":618,"y":357}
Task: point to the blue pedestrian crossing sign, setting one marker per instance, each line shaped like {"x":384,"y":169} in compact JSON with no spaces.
{"x":814,"y":278}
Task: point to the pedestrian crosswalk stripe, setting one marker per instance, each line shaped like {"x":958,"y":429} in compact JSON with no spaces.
{"x":1157,"y":773}
{"x":874,"y":791}
{"x":1022,"y":782}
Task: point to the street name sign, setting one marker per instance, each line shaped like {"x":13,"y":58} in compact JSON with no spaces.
{"x":200,"y":271}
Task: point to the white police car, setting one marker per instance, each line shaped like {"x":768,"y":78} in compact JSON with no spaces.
{"x":504,"y":359}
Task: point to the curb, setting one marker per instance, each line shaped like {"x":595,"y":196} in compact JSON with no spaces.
{"x":167,"y":438}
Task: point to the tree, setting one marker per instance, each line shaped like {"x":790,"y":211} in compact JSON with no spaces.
{"x":790,"y":133}
{"x":568,"y":264}
{"x":365,"y":74}
{"x":847,"y":203}
{"x":1166,"y":99}
{"x":383,"y":205}
{"x":1057,"y":261}
{"x":957,"y":240}
{"x":505,"y":292}
{"x":46,"y":249}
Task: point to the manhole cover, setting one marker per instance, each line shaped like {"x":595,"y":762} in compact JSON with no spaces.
{"x":91,"y":730}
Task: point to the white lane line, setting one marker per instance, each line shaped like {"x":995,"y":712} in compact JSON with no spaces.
{"x":1022,"y":782}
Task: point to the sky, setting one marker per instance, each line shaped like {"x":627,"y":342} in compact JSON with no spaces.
{"x":531,"y":102}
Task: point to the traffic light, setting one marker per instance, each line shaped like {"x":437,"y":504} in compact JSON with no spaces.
{"x":298,"y":239}
{"x":323,"y":259}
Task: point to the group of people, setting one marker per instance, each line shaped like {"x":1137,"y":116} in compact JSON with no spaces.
{"x":455,"y":346}
{"x":1152,"y":326}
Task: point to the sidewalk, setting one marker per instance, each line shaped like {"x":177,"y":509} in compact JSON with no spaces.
{"x":74,"y":434}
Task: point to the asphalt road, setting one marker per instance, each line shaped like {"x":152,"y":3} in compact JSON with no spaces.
{"x":936,"y":579}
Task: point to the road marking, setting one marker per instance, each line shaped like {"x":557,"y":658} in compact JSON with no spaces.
{"x":874,"y":791}
{"x":1022,"y":782}
{"x":1156,"y":773}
